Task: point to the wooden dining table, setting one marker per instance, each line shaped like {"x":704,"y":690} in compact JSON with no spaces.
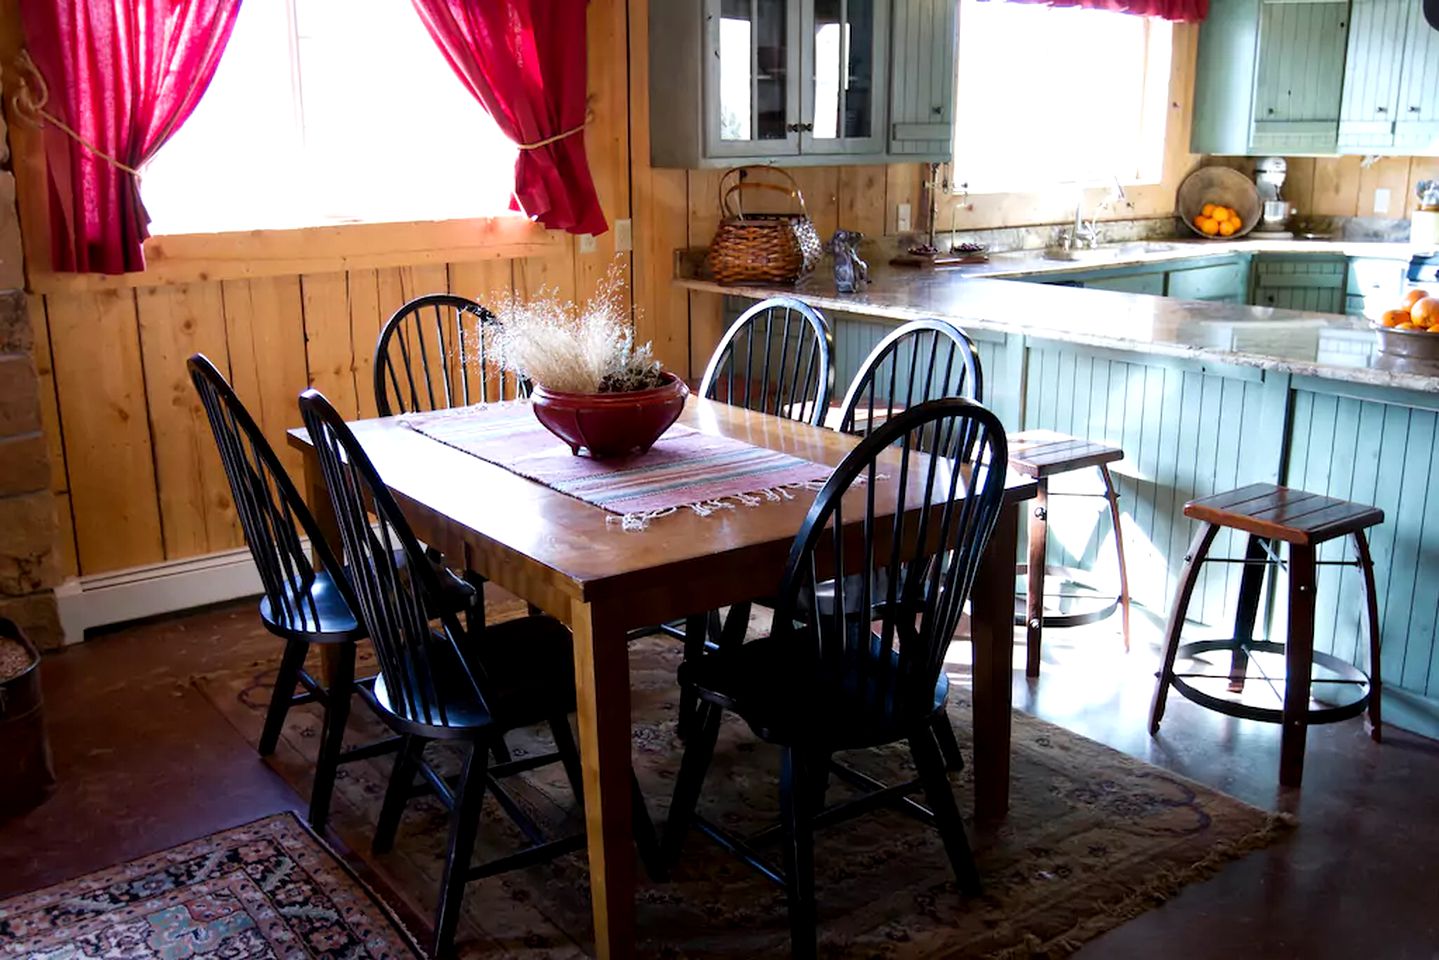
{"x":575,"y":562}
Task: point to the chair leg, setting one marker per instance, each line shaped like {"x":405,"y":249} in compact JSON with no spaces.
{"x":797,"y":814}
{"x":699,"y":750}
{"x":1298,"y":665}
{"x":646,"y":840}
{"x":1034,"y":598}
{"x":694,"y":648}
{"x":332,"y":739}
{"x":1251,"y":583}
{"x":397,"y":793}
{"x":464,"y":822}
{"x":948,"y":745}
{"x":290,"y":663}
{"x":1111,"y":493}
{"x":569,"y":757}
{"x":1371,"y":600}
{"x":1193,"y":563}
{"x":940,"y":794}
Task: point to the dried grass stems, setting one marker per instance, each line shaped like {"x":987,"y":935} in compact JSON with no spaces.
{"x":572,"y":349}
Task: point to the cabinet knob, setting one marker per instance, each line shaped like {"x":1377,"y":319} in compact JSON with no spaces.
{"x":1381,"y":109}
{"x":1269,"y":110}
{"x":807,"y":127}
{"x":1413,"y":109}
{"x":936,"y":110}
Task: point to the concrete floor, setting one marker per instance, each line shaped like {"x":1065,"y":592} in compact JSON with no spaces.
{"x":145,"y":762}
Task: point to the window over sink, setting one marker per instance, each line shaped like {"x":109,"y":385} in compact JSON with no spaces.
{"x":1055,"y":95}
{"x":326,"y":112}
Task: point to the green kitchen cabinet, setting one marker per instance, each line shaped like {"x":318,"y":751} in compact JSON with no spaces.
{"x":801,"y":82}
{"x":1416,"y":127}
{"x":1372,"y":68}
{"x":1269,"y":77}
{"x":1147,"y":283}
{"x":1301,"y":282}
{"x":1223,"y":282}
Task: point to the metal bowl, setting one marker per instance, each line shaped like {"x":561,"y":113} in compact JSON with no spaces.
{"x":1414,"y":344}
{"x":1224,"y":186}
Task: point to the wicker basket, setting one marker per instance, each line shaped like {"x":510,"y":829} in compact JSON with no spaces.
{"x":761,"y":247}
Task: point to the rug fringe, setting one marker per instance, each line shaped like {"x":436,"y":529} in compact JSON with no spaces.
{"x":1164,"y":886}
{"x":704,"y":508}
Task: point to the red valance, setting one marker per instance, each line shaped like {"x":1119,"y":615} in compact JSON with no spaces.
{"x":1185,"y":11}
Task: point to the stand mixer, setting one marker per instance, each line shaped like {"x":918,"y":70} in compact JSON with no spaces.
{"x":1269,"y":174}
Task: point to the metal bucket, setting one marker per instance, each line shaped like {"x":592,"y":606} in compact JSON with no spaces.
{"x":1414,"y":344}
{"x":26,"y":773}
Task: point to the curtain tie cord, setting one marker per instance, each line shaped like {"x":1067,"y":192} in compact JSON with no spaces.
{"x":589,"y":118}
{"x":32,"y":94}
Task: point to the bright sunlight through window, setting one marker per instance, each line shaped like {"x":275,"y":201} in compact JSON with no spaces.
{"x":326,"y":112}
{"x":1050,"y":95}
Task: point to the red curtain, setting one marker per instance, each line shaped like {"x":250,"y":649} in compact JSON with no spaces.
{"x":123,"y":75}
{"x":524,"y":60}
{"x":1192,"y":11}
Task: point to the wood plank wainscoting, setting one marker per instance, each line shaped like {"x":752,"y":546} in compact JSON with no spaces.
{"x":145,"y":517}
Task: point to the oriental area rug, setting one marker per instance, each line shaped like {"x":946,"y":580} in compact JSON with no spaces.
{"x":267,"y":889}
{"x":1093,"y":839}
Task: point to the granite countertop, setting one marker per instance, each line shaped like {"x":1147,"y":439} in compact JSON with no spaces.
{"x":1309,"y":344}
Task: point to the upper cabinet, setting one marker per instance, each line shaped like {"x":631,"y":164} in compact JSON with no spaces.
{"x":800,"y":81}
{"x":1416,"y":125}
{"x":1371,"y":73}
{"x":1270,"y":77}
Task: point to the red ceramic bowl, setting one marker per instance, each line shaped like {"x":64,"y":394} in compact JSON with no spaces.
{"x":611,"y":424}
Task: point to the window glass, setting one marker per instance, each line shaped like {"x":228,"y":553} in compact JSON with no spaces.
{"x":325,"y":112}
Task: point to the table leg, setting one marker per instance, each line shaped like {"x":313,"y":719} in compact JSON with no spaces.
{"x":992,"y":630}
{"x":602,"y":684}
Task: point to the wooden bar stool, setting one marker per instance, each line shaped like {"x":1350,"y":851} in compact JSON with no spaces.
{"x":1270,"y":513}
{"x":1042,"y":454}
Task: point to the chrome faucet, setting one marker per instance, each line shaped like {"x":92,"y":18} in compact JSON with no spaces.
{"x":1087,"y":233}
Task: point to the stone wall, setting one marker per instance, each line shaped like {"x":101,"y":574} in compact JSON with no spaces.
{"x":28,"y":567}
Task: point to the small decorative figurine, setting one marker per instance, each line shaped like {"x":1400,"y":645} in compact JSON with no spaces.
{"x":849,"y":270}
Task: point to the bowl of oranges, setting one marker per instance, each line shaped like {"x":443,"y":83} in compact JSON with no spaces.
{"x":1411,"y":329}
{"x":1219,"y":203}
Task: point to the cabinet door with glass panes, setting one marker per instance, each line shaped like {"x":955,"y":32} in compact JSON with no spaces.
{"x":843,"y":95}
{"x":751,"y":84}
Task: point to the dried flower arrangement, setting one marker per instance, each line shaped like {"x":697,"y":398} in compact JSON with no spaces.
{"x":571,"y":349}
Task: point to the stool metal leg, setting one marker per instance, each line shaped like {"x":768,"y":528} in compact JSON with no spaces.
{"x":1193,"y":562}
{"x":1371,"y":597}
{"x":1111,"y":493}
{"x":1034,"y":599}
{"x":1251,"y":584}
{"x":1298,"y":664}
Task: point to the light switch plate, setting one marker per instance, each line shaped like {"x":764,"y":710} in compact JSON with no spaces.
{"x":902,"y":219}
{"x":624,"y":236}
{"x":587,"y":243}
{"x":1381,"y":200}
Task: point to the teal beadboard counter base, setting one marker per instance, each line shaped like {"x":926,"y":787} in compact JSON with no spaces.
{"x":1204,"y":397}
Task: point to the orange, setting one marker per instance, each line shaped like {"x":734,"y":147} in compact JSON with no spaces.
{"x":1207,"y":226}
{"x":1392,"y":318}
{"x":1425,"y":312}
{"x":1208,"y":210}
{"x":1406,"y":326}
{"x":1227,"y":228}
{"x":1413,"y":297}
{"x":1220,"y":214}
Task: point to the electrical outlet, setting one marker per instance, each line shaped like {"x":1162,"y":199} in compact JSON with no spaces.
{"x":1381,"y":200}
{"x":624,"y":236}
{"x":587,"y":243}
{"x":903,"y":222}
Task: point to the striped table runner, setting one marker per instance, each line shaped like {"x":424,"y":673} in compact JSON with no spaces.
{"x":685,"y":469}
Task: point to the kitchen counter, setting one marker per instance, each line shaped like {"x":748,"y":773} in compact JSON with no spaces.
{"x":974,"y":297}
{"x":1202,"y":396}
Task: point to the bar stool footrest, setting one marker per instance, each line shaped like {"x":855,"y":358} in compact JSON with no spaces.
{"x":1346,"y":675}
{"x":1096,"y":603}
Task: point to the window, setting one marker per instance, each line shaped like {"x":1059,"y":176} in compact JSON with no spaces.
{"x":1050,"y":95}
{"x":324,"y":112}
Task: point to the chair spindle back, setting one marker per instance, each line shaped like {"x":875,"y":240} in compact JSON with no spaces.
{"x":439,"y":351}
{"x":922,"y":360}
{"x":899,"y":577}
{"x":394,"y":584}
{"x":776,"y":358}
